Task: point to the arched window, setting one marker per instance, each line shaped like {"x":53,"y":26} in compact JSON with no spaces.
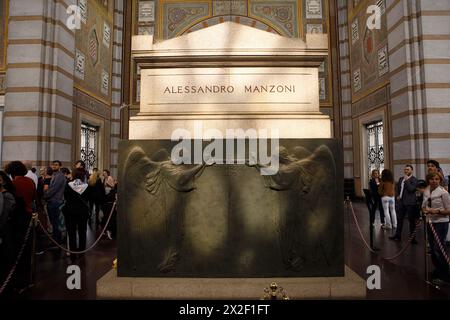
{"x":375,"y":147}
{"x":89,"y":145}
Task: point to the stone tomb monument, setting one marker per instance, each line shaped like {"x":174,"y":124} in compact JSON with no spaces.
{"x":225,"y":220}
{"x":224,"y":230}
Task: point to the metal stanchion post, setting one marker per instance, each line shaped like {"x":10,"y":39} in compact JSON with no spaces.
{"x":371,"y":218}
{"x":68,"y":243}
{"x":33,"y":250}
{"x":372,"y":227}
{"x":371,"y":234}
{"x":347,"y":207}
{"x":347,"y":215}
{"x":425,"y":246}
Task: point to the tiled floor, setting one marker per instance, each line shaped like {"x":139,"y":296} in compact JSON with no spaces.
{"x":402,"y":278}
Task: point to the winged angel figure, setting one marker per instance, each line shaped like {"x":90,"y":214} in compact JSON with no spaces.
{"x":165,"y":183}
{"x":304,"y":181}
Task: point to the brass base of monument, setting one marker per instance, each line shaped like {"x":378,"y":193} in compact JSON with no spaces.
{"x":351,"y":286}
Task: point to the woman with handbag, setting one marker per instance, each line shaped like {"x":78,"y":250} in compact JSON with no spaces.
{"x":76,"y":211}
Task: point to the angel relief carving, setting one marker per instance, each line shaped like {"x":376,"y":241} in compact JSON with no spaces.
{"x":168,"y":226}
{"x":162,"y":180}
{"x":305,"y":179}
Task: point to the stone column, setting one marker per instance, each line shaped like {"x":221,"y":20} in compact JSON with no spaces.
{"x":38,"y":102}
{"x":419,"y":56}
{"x":116,"y":84}
{"x":346,"y":93}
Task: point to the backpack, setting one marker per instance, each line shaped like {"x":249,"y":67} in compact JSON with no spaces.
{"x":8,"y":206}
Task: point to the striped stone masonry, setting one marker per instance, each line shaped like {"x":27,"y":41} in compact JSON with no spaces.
{"x":419,"y":57}
{"x":38,"y":100}
{"x":116,"y":85}
{"x":346,"y":96}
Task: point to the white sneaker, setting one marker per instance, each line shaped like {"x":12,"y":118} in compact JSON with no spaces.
{"x":108,"y":234}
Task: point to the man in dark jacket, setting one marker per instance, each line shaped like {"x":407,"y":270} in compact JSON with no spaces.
{"x":55,"y":199}
{"x":406,"y":199}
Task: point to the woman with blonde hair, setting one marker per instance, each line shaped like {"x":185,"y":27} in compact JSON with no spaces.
{"x":386,"y":190}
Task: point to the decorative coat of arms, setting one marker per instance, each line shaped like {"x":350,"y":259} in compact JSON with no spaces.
{"x":80,"y":60}
{"x":93,"y":46}
{"x":383,"y":64}
{"x":355,"y":31}
{"x":106,"y":34}
{"x":105,"y":82}
{"x":357,"y":80}
{"x":369,"y":45}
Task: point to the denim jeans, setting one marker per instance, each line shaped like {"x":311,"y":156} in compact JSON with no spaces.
{"x":389,"y":211}
{"x":53,"y":214}
{"x":439,"y":262}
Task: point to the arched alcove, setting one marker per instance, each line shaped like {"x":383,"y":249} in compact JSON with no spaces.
{"x":246,"y":21}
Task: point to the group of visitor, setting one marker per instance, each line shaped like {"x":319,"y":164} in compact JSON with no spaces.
{"x":66,"y":201}
{"x":410,"y":197}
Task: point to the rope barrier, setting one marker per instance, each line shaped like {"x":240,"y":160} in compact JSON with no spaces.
{"x":440,"y":245}
{"x":19,"y":256}
{"x":412,"y":236}
{"x":348,"y":203}
{"x":88,"y":249}
{"x":27,"y":236}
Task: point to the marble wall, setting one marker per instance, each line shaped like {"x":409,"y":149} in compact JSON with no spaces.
{"x":368,"y":49}
{"x":98,"y":76}
{"x":419,"y":55}
{"x":39,"y":88}
{"x":58,"y":78}
{"x":398,"y":74}
{"x":3,"y":41}
{"x":93,"y":52}
{"x":345,"y":89}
